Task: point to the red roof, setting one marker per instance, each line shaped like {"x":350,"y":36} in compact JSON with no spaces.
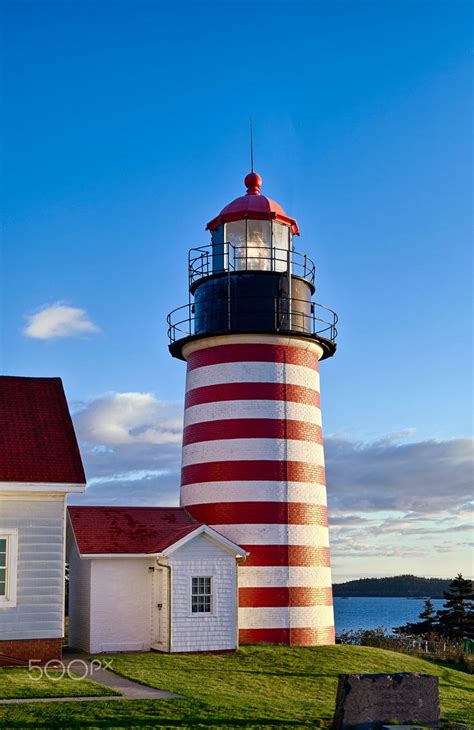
{"x":129,"y":529}
{"x":37,"y":439}
{"x":254,"y":206}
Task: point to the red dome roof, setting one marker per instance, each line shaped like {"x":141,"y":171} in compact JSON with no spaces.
{"x":253,"y":205}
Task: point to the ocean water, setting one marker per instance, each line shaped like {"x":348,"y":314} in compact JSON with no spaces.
{"x":352,"y":614}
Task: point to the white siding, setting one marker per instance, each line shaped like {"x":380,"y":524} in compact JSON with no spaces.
{"x":79,"y":599}
{"x":121,"y":610}
{"x":113,"y":601}
{"x":39,"y":610}
{"x":218,"y":631}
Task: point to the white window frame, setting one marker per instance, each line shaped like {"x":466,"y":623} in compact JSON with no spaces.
{"x":11,"y":536}
{"x":200,"y":613}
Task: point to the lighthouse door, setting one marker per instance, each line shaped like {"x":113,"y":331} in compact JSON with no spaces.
{"x":160,"y":611}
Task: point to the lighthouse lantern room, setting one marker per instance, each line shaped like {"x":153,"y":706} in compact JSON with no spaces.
{"x":252,"y":460}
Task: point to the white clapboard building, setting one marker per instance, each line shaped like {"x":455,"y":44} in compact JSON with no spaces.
{"x":146,"y":578}
{"x":40,"y":465}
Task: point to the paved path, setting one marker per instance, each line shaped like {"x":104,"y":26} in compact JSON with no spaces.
{"x":128,"y":689}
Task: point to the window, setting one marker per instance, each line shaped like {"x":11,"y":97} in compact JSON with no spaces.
{"x":258,"y":245}
{"x":281,"y":246}
{"x":201,"y":595}
{"x":3,"y":566}
{"x":8,"y":552}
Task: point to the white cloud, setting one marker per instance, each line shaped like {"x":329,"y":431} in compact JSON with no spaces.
{"x":131,"y":447}
{"x":119,"y":419}
{"x":58,"y":320}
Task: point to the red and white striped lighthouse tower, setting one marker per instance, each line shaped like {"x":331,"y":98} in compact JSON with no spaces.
{"x":253,"y":461}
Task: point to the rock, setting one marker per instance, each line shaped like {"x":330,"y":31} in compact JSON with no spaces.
{"x":366,"y":701}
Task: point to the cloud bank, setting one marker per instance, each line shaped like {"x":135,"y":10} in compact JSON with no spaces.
{"x":394,"y":502}
{"x":58,"y":320}
{"x":426,"y":476}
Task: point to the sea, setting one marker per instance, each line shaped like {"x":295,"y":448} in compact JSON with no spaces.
{"x":352,"y":614}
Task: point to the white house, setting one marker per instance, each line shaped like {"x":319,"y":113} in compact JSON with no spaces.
{"x":40,"y":464}
{"x":150,"y":578}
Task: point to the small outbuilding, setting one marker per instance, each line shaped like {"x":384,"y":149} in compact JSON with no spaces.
{"x":146,"y":578}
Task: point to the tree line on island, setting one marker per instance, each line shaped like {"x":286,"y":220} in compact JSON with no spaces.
{"x":398,"y":586}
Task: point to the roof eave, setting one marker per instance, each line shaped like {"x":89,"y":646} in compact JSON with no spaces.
{"x":253,"y":215}
{"x":58,"y":487}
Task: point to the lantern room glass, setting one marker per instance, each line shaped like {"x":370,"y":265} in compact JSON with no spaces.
{"x":258,"y":245}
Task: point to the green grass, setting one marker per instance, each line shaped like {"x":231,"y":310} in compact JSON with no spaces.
{"x":18,"y":683}
{"x":264,"y":686}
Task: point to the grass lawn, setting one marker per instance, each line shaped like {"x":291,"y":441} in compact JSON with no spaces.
{"x":261,"y":686}
{"x":18,"y":683}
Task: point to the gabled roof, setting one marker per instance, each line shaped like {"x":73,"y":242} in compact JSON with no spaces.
{"x":135,"y":530}
{"x":129,"y":529}
{"x":37,"y":439}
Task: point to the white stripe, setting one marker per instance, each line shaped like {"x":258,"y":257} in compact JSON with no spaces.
{"x":276,"y":534}
{"x":273,"y":577}
{"x":278,"y":409}
{"x":298,"y":617}
{"x":253,"y":450}
{"x":252,"y":372}
{"x":239,"y":491}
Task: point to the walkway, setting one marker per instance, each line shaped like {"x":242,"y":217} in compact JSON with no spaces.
{"x":128,"y":689}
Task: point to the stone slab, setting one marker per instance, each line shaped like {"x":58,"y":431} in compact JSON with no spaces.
{"x":369,"y":701}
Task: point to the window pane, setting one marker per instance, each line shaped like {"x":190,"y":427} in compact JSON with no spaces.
{"x":3,"y":581}
{"x":3,"y":560}
{"x":201,"y":594}
{"x":259,"y":244}
{"x":236,"y":235}
{"x":3,"y":545}
{"x":281,"y":244}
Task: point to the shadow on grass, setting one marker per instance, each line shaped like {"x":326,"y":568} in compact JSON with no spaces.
{"x":131,"y":720}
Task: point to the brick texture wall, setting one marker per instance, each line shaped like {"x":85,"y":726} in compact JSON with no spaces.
{"x":41,"y":650}
{"x":253,"y":469}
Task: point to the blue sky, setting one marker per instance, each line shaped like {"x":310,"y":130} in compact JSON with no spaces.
{"x":125,"y":131}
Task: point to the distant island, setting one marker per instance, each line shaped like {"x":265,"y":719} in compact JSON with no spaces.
{"x":399,"y":586}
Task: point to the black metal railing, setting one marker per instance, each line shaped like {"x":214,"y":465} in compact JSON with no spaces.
{"x":247,"y":314}
{"x":226,"y":257}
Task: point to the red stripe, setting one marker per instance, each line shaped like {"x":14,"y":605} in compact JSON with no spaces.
{"x":266,"y":428}
{"x":276,"y":555}
{"x":267,"y":513}
{"x":252,"y":353}
{"x":293,"y":637}
{"x":289,"y":596}
{"x":252,"y":391}
{"x":229,"y":471}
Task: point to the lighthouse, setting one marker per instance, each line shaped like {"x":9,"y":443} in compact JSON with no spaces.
{"x":252,"y":455}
